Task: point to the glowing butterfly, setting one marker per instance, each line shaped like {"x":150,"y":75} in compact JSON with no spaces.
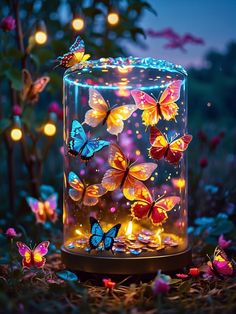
{"x":33,"y":258}
{"x":102,"y":113}
{"x":220,"y":265}
{"x":165,"y":108}
{"x":44,"y":210}
{"x":87,"y":195}
{"x":124,"y":175}
{"x":98,"y":235}
{"x":75,"y":54}
{"x":145,"y":207}
{"x":81,"y":145}
{"x":161,"y":148}
{"x":31,"y":90}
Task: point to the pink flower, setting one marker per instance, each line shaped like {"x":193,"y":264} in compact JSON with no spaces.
{"x":108,"y":283}
{"x":11,"y":233}
{"x":214,"y":142}
{"x":161,"y":284}
{"x":223,"y":243}
{"x":182,"y":276}
{"x":8,"y":23}
{"x":16,"y":110}
{"x":203,"y":162}
{"x":202,"y":136}
{"x":54,"y":107}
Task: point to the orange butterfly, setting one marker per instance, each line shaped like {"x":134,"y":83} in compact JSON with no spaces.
{"x":160,"y":148}
{"x":31,"y":90}
{"x":164,"y":108}
{"x":125,"y":175}
{"x":86,"y":195}
{"x":33,"y":258}
{"x":102,"y":113}
{"x":145,"y":207}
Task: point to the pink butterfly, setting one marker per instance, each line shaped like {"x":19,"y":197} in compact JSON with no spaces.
{"x":44,"y":210}
{"x":33,"y":258}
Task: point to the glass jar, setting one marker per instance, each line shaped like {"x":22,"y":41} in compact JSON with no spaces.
{"x":125,"y":175}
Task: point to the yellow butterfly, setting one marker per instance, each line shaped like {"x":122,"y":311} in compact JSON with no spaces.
{"x":102,"y":113}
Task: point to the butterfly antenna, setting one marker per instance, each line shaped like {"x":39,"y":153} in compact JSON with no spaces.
{"x":160,"y":197}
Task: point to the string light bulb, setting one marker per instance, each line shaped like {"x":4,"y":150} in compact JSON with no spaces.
{"x":77,"y":24}
{"x":40,"y":35}
{"x":113,"y":18}
{"x":16,"y":132}
{"x":50,"y":128}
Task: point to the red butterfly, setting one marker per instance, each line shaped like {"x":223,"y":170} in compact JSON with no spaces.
{"x":162,"y":148}
{"x":32,"y":89}
{"x":33,"y":258}
{"x":75,"y":55}
{"x":156,"y":210}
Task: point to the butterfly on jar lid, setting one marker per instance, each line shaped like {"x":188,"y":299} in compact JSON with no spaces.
{"x":75,"y":55}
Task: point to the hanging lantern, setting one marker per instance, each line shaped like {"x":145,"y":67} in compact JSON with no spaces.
{"x":125,"y":170}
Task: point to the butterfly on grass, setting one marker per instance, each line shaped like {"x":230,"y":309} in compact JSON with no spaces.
{"x":125,"y":175}
{"x":146,"y":207}
{"x":32,"y":89}
{"x":162,"y":148}
{"x":75,"y":55}
{"x":81,"y":145}
{"x":220,"y":265}
{"x":33,"y":258}
{"x":99,"y":236}
{"x":44,"y":209}
{"x":164,"y":108}
{"x":87,"y":195}
{"x":101,"y":113}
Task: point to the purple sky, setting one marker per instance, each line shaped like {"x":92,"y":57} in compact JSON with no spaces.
{"x":213,"y":20}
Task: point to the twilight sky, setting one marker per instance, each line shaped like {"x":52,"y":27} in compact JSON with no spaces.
{"x":213,"y":20}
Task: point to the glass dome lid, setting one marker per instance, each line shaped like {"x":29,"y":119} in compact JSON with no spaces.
{"x":128,"y":62}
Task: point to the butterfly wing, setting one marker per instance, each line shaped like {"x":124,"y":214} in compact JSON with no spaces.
{"x":148,"y":104}
{"x":92,"y":146}
{"x":39,"y":252}
{"x":158,"y":142}
{"x":140,"y":208}
{"x":112,"y":179}
{"x":97,"y":233}
{"x":26,"y":253}
{"x":78,"y":136}
{"x":50,"y":206}
{"x":110,"y":235}
{"x":137,"y":173}
{"x":67,"y":60}
{"x":99,"y":110}
{"x":168,"y":107}
{"x":177,"y":147}
{"x":92,"y":194}
{"x":77,"y":185}
{"x":38,"y":86}
{"x":38,"y":209}
{"x":161,"y":207}
{"x":27,"y":84}
{"x":115,"y":124}
{"x":78,"y":48}
{"x":221,"y":263}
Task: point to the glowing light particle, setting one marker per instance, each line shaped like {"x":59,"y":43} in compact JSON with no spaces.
{"x":16,"y":134}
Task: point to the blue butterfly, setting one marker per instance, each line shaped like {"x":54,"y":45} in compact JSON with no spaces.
{"x":98,"y":235}
{"x":81,"y":145}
